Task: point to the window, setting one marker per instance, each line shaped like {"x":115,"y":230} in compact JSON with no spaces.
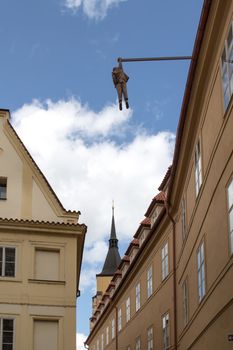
{"x":165,"y":261}
{"x":119,"y":320}
{"x":138,"y":297}
{"x":102,"y":341}
{"x":98,"y":345}
{"x":165,"y":322}
{"x":3,"y":187}
{"x":6,"y":334}
{"x":128,"y":309}
{"x":183,"y":218}
{"x":154,"y":216}
{"x":142,"y":238}
{"x":227,"y":69}
{"x":185,"y":301}
{"x":149,"y":282}
{"x":107,"y":335}
{"x":138,"y":343}
{"x":198,"y":171}
{"x":201,"y":271}
{"x":113,"y":328}
{"x":47,"y":264}
{"x":46,"y":335}
{"x":150,"y":338}
{"x":230,"y":212}
{"x":7,"y":261}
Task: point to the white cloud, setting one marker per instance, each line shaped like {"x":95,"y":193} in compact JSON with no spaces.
{"x":80,"y":339}
{"x":94,"y":9}
{"x":96,"y":253}
{"x":74,"y":148}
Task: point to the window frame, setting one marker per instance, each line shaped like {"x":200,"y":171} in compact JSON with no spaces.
{"x":3,"y":188}
{"x":165,"y":261}
{"x":198,"y":176}
{"x":2,"y":319}
{"x":150,"y":338}
{"x":113,"y":328}
{"x":230,"y":214}
{"x":185,"y":293}
{"x":3,"y":262}
{"x":138,"y":343}
{"x":102,"y":341}
{"x":201,"y":271}
{"x":166,"y":330}
{"x":226,"y":69}
{"x":183,"y":218}
{"x":138,"y":296}
{"x":107,"y":335}
{"x":127,"y":306}
{"x":119,"y":320}
{"x":149,"y":275}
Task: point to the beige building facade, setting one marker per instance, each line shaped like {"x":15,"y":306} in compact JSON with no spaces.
{"x":173,"y":289}
{"x":41,"y":246}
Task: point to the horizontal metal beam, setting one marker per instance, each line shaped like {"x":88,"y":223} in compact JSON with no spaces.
{"x":143,"y":59}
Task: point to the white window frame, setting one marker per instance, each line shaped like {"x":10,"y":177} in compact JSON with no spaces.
{"x":150,"y":338}
{"x":102,"y":341}
{"x":138,"y":343}
{"x":230,"y":213}
{"x":3,"y":274}
{"x":119,"y":320}
{"x":185,"y":302}
{"x":107,"y":335}
{"x":198,"y":167}
{"x":127,"y":305}
{"x":227,"y":68}
{"x":138,"y":296}
{"x":201,"y":271}
{"x":165,"y":261}
{"x":183,"y":219}
{"x":166,"y":331}
{"x":2,"y":319}
{"x":113,"y":328}
{"x":149,"y":281}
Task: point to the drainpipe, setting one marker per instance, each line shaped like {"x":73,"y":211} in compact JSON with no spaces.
{"x":116,"y":335}
{"x":174,"y":268}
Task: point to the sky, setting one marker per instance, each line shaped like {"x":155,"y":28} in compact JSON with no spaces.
{"x":56,"y":62}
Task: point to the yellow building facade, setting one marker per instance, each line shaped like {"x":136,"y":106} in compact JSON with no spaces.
{"x":173,"y":289}
{"x":41,"y":246}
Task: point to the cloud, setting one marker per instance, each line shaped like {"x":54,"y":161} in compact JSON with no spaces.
{"x":74,"y":147}
{"x":94,"y":9}
{"x":80,"y":339}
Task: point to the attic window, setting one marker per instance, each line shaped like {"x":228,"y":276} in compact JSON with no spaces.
{"x":3,"y":186}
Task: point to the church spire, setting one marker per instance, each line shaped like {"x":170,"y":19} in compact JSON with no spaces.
{"x":113,"y":258}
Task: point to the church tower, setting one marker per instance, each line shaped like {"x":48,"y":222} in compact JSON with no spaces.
{"x":111,"y":264}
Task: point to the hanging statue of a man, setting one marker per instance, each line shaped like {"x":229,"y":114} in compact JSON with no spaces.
{"x":120,"y":79}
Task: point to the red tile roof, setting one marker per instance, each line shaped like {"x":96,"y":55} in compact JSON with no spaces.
{"x":166,"y":178}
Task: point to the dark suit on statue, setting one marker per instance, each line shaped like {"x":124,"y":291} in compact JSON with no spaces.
{"x":120,"y":79}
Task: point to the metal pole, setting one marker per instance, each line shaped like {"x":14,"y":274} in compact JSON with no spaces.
{"x":143,"y":59}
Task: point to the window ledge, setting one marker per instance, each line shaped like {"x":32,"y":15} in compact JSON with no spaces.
{"x":9,"y":279}
{"x":34,"y":280}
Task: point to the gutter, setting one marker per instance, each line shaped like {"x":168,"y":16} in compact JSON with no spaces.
{"x":174,"y":270}
{"x":188,"y":88}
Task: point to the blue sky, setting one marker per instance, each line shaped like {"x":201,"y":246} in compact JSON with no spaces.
{"x":56,"y":62}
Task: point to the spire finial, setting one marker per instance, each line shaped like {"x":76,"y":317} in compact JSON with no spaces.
{"x":113,"y":207}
